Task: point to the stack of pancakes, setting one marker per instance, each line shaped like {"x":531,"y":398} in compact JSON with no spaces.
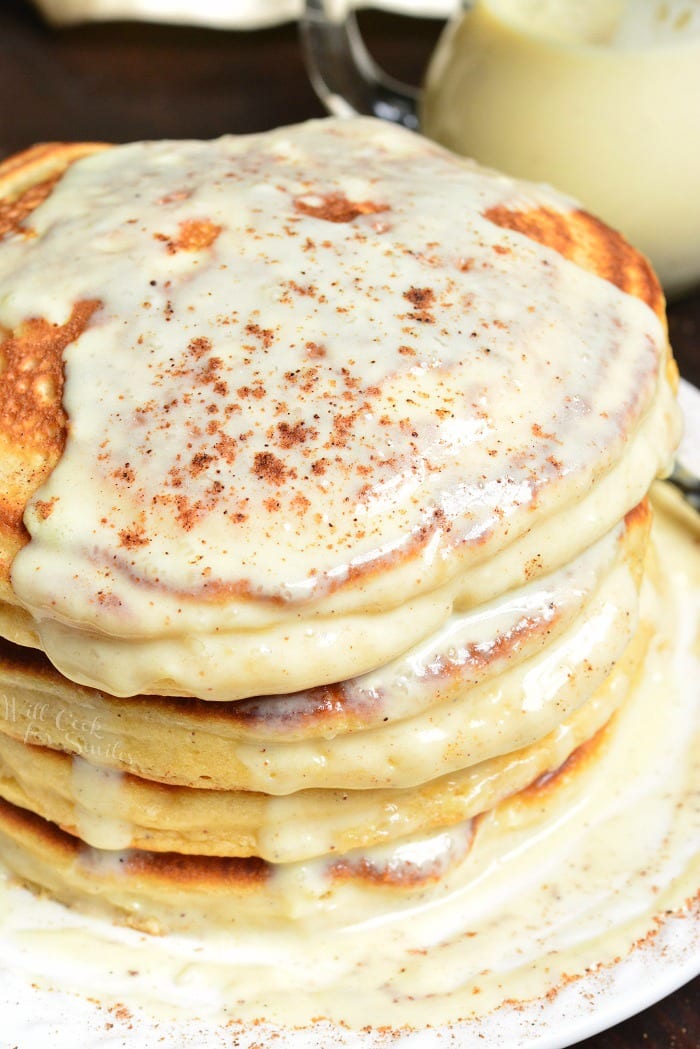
{"x":323,"y":521}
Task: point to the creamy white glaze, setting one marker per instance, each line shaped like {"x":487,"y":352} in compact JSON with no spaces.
{"x":102,"y":824}
{"x":315,"y":389}
{"x":494,"y":716}
{"x":536,"y":904}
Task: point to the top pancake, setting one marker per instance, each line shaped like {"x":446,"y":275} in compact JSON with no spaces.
{"x":322,"y":386}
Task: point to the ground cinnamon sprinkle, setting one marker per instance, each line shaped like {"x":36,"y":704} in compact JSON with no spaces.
{"x":289,"y":436}
{"x":199,"y":462}
{"x":314,"y":350}
{"x":132,"y":538}
{"x":423,"y":301}
{"x":199,"y":346}
{"x":226,"y":447}
{"x":44,"y":507}
{"x":266,"y":335}
{"x":267,"y":467}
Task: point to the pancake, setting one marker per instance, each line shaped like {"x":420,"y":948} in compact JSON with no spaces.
{"x":166,"y":892}
{"x":462,"y":722}
{"x":474,"y":647}
{"x":117,"y":811}
{"x":213,"y":555}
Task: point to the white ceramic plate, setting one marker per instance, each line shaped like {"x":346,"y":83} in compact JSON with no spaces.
{"x":43,"y":947}
{"x":34,"y":1017}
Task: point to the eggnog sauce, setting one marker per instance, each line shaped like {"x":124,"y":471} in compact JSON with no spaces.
{"x":537,"y":901}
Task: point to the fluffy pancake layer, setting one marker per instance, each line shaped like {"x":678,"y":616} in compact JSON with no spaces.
{"x":440,"y":710}
{"x":161,"y":892}
{"x":117,"y":811}
{"x":273,"y":503}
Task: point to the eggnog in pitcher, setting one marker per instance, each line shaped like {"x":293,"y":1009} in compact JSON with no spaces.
{"x":601,"y":99}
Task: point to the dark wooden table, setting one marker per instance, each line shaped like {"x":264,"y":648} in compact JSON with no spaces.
{"x":123,"y":81}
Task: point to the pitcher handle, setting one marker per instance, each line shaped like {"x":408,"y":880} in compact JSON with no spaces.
{"x":343,"y":73}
